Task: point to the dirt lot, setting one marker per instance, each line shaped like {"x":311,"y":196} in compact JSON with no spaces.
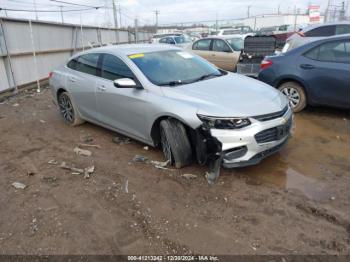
{"x":295,"y":202}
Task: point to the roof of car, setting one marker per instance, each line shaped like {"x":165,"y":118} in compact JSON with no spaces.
{"x":321,"y":41}
{"x":129,"y":49}
{"x":308,"y":28}
{"x":224,"y":37}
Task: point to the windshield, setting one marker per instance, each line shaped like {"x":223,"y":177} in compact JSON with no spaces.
{"x":182,"y":39}
{"x":174,"y":67}
{"x":236,"y":43}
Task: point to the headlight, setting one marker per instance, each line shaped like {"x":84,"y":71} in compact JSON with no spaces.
{"x":223,"y":123}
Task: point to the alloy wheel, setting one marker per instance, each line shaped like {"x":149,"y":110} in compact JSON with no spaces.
{"x":66,"y":108}
{"x":293,"y":96}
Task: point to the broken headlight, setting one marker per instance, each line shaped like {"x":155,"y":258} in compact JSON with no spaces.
{"x":223,"y":123}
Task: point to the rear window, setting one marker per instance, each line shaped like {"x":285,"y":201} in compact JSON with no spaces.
{"x":72,"y":64}
{"x":321,"y":31}
{"x":88,"y":64}
{"x":342,"y":29}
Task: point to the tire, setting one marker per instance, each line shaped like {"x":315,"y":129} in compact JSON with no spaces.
{"x":175,"y":143}
{"x":295,"y":94}
{"x":68,"y":110}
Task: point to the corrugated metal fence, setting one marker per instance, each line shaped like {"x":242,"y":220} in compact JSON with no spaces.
{"x":29,"y":50}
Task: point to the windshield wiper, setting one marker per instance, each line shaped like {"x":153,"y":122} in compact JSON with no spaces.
{"x":203,"y":77}
{"x":172,"y":83}
{"x":181,"y":82}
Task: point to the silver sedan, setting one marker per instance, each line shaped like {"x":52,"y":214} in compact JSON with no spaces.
{"x":166,"y":97}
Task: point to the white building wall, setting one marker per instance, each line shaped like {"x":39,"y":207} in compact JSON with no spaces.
{"x":276,"y":20}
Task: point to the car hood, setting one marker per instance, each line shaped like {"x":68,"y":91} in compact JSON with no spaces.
{"x":231,"y":95}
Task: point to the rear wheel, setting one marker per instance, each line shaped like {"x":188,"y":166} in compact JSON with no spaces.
{"x":175,"y":143}
{"x":295,"y":94}
{"x":68,"y":110}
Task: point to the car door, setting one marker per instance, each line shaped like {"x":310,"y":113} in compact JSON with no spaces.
{"x":202,"y":48}
{"x":81,"y":82}
{"x":326,"y":70}
{"x":222,"y":55}
{"x":120,"y":108}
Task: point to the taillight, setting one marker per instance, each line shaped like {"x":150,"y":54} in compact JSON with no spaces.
{"x":265,"y":64}
{"x":50,"y":74}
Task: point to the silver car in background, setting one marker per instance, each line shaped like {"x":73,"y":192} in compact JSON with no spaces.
{"x":166,"y":97}
{"x":316,"y":32}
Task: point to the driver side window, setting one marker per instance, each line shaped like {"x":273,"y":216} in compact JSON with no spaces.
{"x":113,"y":68}
{"x":220,"y":46}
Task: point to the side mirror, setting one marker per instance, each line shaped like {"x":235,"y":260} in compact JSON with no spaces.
{"x":125,"y":82}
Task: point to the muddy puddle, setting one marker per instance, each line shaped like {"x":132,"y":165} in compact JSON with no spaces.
{"x":289,"y":179}
{"x":312,"y":155}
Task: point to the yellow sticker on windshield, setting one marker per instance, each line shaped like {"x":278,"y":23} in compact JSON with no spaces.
{"x":136,"y":56}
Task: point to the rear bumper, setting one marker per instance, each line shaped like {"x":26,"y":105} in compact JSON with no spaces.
{"x":250,"y":145}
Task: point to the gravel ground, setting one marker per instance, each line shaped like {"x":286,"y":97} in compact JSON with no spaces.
{"x":294,"y":202}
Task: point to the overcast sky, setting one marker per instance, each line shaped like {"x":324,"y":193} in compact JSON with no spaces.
{"x":171,"y":11}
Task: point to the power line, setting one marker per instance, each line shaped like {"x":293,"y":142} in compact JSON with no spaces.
{"x":63,"y":2}
{"x":46,"y":11}
{"x":28,"y":3}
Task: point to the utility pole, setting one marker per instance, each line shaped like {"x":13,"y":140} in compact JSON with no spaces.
{"x":295,"y":18}
{"x":216,"y":23}
{"x":156,"y":13}
{"x":248,"y":10}
{"x":120,"y":15}
{"x":342,"y":12}
{"x":62,"y":20}
{"x":279,"y":10}
{"x":136,"y":30}
{"x":326,"y":17}
{"x":115,"y":15}
{"x":36,"y":13}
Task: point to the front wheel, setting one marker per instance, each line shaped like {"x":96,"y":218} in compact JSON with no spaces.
{"x":68,"y":110}
{"x":175,"y":143}
{"x":295,"y":94}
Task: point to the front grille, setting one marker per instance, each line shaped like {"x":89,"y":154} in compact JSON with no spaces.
{"x":273,"y":134}
{"x":271,"y":116}
{"x":268,"y":152}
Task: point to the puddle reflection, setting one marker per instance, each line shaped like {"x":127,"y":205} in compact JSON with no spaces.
{"x":276,"y":172}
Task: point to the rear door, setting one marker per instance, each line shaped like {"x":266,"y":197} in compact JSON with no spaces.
{"x":223,"y":56}
{"x":81,"y":82}
{"x":202,"y":48}
{"x":326,"y":69}
{"x":120,"y":108}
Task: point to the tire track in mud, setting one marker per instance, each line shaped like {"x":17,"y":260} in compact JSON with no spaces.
{"x":324,"y":214}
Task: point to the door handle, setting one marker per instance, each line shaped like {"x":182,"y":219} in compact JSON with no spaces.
{"x":72,"y":79}
{"x":307,"y":66}
{"x":102,"y":88}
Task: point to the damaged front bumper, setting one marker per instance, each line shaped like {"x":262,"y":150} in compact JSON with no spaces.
{"x":249,"y":145}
